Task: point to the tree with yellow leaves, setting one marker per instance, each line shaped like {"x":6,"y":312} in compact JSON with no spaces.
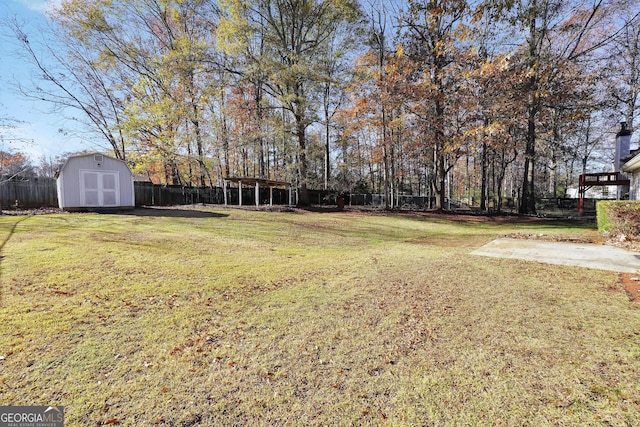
{"x":292,"y":36}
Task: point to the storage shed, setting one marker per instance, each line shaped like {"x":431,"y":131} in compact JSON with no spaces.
{"x":94,"y":182}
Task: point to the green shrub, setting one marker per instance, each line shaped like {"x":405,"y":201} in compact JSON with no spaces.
{"x":602,"y":212}
{"x":619,"y":218}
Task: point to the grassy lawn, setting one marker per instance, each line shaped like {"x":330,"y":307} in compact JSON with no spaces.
{"x":233,"y":317}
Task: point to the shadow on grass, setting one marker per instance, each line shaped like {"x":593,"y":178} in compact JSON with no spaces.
{"x":2,"y":245}
{"x":172,"y":212}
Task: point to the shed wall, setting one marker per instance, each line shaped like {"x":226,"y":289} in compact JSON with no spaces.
{"x":70,"y":185}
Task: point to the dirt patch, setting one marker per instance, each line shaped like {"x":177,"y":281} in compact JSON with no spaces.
{"x":631,"y":283}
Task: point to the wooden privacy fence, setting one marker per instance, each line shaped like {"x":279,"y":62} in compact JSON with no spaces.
{"x":42,"y":193}
{"x":32,"y":193}
{"x":148,"y":194}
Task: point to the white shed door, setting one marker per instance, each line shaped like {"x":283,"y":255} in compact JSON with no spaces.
{"x":99,"y":188}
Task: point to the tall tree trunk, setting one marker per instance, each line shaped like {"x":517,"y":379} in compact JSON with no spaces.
{"x":327,"y":161}
{"x":327,"y":151}
{"x":259,"y":120}
{"x":553,"y":175}
{"x":528,"y":201}
{"x":303,"y":197}
{"x":202,"y":167}
{"x":393,"y":176}
{"x":195,"y":122}
{"x":440,"y":181}
{"x":483,"y":195}
{"x":441,"y":171}
{"x":385,"y":158}
{"x":385,"y":162}
{"x":189,"y":158}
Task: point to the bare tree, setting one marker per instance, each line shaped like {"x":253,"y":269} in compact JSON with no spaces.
{"x":73,"y":78}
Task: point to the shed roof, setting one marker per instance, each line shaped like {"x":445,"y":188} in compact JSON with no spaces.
{"x":259,"y":181}
{"x":59,"y":171}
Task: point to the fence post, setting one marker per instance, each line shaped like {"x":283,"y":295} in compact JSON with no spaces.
{"x":257,"y":194}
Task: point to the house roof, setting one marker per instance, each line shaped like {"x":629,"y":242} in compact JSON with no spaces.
{"x":632,"y":165}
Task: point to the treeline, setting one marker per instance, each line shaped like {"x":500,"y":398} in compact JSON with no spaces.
{"x":453,"y":99}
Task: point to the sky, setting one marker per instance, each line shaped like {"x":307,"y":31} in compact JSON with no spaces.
{"x":36,"y":130}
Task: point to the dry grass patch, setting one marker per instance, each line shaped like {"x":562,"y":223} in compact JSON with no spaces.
{"x":238,"y":317}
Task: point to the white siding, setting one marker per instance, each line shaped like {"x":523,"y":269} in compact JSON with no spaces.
{"x":634,"y":191}
{"x":91,"y":181}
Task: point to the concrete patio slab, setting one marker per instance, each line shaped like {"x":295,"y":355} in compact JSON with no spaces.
{"x":586,"y":255}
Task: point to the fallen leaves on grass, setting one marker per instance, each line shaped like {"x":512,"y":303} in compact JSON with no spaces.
{"x":223,"y":327}
{"x":548,"y":238}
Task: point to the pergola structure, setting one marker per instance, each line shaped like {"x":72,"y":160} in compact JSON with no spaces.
{"x":256,"y":183}
{"x":588,"y":180}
